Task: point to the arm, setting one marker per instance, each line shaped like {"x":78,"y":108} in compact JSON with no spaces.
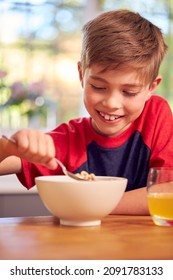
{"x":31,"y":145}
{"x":133,"y":203}
{"x":10,"y":165}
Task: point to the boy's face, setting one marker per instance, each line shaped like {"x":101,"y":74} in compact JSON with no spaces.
{"x":114,"y":99}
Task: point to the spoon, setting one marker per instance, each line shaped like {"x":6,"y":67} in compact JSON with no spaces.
{"x":64,"y":169}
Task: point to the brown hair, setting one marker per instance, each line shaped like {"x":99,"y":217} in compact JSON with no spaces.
{"x":123,"y":38}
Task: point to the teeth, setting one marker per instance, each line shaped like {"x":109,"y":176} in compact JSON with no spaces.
{"x":112,"y":118}
{"x":109,"y":117}
{"x":106,"y":117}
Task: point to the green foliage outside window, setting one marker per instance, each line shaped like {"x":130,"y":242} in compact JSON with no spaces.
{"x":39,"y":48}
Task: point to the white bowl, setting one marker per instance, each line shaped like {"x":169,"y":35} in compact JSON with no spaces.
{"x":80,"y":203}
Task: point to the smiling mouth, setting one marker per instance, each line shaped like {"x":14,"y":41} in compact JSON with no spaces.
{"x":108,"y":117}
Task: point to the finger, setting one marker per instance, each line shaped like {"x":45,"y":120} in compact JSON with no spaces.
{"x":49,"y":152}
{"x":21,"y":139}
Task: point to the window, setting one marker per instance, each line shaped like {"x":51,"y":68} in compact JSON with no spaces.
{"x":40,"y":45}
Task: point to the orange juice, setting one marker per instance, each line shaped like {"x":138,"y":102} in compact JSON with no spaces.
{"x":161,"y":205}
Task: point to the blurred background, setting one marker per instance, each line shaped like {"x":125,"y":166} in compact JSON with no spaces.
{"x":40,"y":44}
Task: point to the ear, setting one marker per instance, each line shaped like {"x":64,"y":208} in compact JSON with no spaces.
{"x":80,"y":73}
{"x":154,"y":85}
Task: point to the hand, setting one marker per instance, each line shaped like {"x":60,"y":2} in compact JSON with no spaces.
{"x":33,"y":146}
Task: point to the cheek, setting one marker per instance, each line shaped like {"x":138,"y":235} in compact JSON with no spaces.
{"x":89,"y":96}
{"x":135,"y":106}
{"x":88,"y":102}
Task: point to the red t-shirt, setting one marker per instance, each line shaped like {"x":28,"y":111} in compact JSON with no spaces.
{"x":146,"y":143}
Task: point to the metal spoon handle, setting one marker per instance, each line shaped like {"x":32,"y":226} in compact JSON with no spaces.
{"x":62,"y":166}
{"x":9,"y":138}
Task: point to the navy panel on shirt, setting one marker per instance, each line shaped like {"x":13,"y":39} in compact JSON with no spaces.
{"x":130,"y":160}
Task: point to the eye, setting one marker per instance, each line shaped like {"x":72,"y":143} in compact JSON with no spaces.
{"x":97,"y":87}
{"x":129,"y":93}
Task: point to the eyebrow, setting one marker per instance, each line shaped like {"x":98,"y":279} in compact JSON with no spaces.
{"x":97,"y":78}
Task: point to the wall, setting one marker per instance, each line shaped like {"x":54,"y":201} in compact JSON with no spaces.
{"x":16,"y":201}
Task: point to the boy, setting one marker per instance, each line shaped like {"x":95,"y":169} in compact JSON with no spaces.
{"x":129,"y":129}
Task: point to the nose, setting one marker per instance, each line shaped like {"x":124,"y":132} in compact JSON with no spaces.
{"x":113,"y":100}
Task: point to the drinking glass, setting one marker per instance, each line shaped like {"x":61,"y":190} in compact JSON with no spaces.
{"x":160,"y":195}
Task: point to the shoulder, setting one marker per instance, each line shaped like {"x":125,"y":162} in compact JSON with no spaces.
{"x":156,"y":109}
{"x":80,"y":123}
{"x":72,"y":129}
{"x":74,"y":125}
{"x":155,"y":121}
{"x":157,"y":102}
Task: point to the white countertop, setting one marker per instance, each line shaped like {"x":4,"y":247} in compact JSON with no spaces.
{"x":9,"y":184}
